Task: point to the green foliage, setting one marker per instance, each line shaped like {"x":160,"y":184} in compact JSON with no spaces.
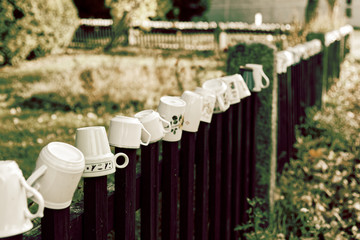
{"x":258,"y":53}
{"x":33,"y":28}
{"x":125,"y":13}
{"x":315,"y":22}
{"x":317,"y":194}
{"x":189,"y":10}
{"x":311,"y":10}
{"x":164,"y":7}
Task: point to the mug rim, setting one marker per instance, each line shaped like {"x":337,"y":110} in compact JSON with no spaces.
{"x":90,"y":127}
{"x":254,"y":65}
{"x":190,"y":93}
{"x":210,"y":84}
{"x":121,"y":118}
{"x":173,"y":101}
{"x":146,"y":115}
{"x":21,"y":229}
{"x":61,"y":164}
{"x":205,"y":92}
{"x":11,"y":165}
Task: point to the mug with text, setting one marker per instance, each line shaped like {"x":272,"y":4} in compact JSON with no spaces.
{"x":94,"y":144}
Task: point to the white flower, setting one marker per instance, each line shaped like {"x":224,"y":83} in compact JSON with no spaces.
{"x":304,"y":210}
{"x":13,"y":111}
{"x":16,"y":121}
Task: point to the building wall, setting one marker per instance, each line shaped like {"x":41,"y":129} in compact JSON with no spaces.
{"x":275,"y":11}
{"x":352,"y":10}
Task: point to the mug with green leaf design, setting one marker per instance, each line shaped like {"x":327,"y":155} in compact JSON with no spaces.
{"x":172,"y":109}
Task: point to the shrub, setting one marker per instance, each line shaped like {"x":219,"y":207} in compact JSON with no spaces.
{"x":33,"y":28}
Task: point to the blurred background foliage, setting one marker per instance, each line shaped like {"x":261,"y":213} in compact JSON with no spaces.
{"x":31,"y":29}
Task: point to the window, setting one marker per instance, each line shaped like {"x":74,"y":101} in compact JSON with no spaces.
{"x":349,"y":12}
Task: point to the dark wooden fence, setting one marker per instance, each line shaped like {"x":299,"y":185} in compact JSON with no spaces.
{"x":186,"y":189}
{"x":197,"y":188}
{"x":309,"y":72}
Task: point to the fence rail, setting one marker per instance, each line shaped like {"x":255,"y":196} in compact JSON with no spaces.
{"x":178,"y":35}
{"x":198,"y":187}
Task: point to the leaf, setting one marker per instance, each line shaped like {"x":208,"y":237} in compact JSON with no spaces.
{"x":316,"y":153}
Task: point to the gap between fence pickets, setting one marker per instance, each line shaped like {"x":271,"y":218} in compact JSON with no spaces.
{"x":274,"y":126}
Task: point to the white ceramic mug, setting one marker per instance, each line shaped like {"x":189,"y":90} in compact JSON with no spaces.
{"x":233,"y":86}
{"x":209,"y":99}
{"x":57,"y":173}
{"x":15,"y":217}
{"x":94,"y":144}
{"x":242,"y":88}
{"x":172,"y":109}
{"x":258,"y":74}
{"x":126,"y":132}
{"x":154,"y":124}
{"x":193,"y":109}
{"x":222,"y":94}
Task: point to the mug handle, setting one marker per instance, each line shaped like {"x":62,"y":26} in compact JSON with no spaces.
{"x":147,"y":133}
{"x":267,"y":80}
{"x":125,"y":157}
{"x":166,"y":129}
{"x":36,"y":175}
{"x":36,"y":197}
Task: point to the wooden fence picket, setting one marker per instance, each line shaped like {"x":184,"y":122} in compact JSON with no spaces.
{"x":125,"y":197}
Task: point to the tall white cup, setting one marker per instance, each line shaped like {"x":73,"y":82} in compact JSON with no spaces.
{"x":15,"y":217}
{"x":57,"y":173}
{"x":258,"y":74}
{"x":94,"y":144}
{"x":193,"y":109}
{"x":154,"y":124}
{"x":222,"y":94}
{"x":209,"y":99}
{"x":126,"y":132}
{"x":172,"y":109}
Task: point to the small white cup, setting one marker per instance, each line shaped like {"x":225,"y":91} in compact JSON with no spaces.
{"x":15,"y":217}
{"x":258,"y":74}
{"x":126,"y":132}
{"x":57,"y":173}
{"x":209,"y":99}
{"x":154,"y":124}
{"x":94,"y":144}
{"x":172,"y":109}
{"x":193,"y":109}
{"x":222,"y":94}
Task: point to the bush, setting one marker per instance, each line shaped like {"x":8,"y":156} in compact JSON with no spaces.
{"x":33,"y":28}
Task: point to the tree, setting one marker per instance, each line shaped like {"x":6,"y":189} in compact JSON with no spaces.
{"x":33,"y":28}
{"x":125,"y":13}
{"x":311,"y":12}
{"x":187,"y":10}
